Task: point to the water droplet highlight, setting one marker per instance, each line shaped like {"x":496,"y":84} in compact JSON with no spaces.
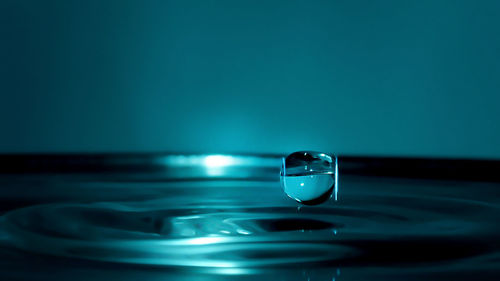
{"x":310,"y":177}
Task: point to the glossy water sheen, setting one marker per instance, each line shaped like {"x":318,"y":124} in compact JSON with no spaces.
{"x":380,"y":229}
{"x":309,"y":177}
{"x":309,"y":190}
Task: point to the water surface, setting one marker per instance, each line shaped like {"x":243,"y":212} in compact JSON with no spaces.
{"x":379,"y":229}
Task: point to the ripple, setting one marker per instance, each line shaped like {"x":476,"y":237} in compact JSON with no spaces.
{"x":383,"y":230}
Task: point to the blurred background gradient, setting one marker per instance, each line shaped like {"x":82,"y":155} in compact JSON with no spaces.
{"x":377,"y":78}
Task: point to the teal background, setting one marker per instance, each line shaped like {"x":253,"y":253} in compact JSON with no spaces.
{"x":400,"y":78}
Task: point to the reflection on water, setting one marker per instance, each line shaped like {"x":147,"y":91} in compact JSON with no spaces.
{"x":380,"y":229}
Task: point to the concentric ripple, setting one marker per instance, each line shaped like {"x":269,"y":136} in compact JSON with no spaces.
{"x":221,"y":230}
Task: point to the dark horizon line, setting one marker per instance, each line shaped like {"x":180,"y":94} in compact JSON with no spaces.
{"x":409,"y":167}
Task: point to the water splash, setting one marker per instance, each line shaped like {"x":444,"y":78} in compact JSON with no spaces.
{"x":309,"y":177}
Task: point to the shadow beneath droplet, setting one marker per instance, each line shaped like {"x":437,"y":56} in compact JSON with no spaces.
{"x":277,"y":225}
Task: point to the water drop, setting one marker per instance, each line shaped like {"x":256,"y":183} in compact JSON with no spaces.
{"x":309,"y":177}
